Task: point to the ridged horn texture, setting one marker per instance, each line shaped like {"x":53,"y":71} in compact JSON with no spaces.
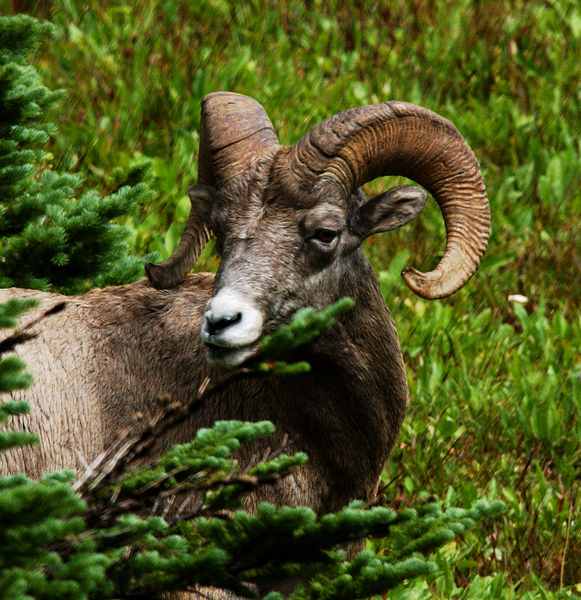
{"x":234,"y":131}
{"x":396,"y":138}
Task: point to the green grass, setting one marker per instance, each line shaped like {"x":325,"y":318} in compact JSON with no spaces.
{"x":495,"y":385}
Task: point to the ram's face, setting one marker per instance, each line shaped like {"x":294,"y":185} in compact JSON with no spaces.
{"x":281,"y":252}
{"x":275,"y":259}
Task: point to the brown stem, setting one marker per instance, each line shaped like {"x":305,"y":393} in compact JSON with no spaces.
{"x":22,"y":335}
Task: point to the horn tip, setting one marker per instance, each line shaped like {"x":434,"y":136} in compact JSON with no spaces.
{"x":423,"y":285}
{"x":155,"y":276}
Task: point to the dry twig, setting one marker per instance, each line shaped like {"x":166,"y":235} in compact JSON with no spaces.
{"x":131,"y":449}
{"x":23,"y":334}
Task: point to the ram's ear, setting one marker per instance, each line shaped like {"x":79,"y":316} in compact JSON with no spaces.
{"x":202,"y":198}
{"x":389,"y":210}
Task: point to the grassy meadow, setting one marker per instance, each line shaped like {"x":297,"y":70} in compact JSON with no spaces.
{"x":495,"y":404}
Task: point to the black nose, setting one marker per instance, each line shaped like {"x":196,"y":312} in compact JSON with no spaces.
{"x":214,"y":326}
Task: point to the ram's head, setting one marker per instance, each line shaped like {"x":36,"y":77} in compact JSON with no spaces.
{"x":289,"y":222}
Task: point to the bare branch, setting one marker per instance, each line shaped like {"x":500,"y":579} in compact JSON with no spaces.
{"x":23,"y":334}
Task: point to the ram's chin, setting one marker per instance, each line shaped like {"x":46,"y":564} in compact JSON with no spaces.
{"x":228,"y":359}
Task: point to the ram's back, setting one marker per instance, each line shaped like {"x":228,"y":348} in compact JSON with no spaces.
{"x":100,"y":361}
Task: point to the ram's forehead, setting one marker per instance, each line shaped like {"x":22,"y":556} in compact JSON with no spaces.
{"x":304,"y":198}
{"x":324,"y":211}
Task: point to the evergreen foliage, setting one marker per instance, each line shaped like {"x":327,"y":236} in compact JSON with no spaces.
{"x":50,"y":239}
{"x":305,"y":326}
{"x":13,"y":377}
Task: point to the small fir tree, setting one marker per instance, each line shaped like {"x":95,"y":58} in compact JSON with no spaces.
{"x":49,"y":238}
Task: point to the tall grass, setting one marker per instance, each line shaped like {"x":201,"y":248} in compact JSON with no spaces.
{"x":495,"y":384}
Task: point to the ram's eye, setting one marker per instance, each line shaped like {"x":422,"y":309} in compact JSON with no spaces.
{"x":325,"y":235}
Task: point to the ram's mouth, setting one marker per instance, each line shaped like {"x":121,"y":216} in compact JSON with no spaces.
{"x":224,"y":358}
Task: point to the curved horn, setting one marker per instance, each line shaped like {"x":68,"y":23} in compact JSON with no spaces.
{"x":234,"y":131}
{"x":396,"y":138}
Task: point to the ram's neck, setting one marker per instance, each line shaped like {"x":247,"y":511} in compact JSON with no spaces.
{"x":347,"y":411}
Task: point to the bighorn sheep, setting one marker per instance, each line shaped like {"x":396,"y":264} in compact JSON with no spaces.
{"x":289,"y":222}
